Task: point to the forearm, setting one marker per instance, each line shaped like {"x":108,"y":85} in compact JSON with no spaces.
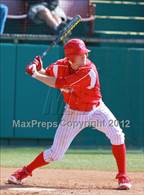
{"x":47,"y":80}
{"x":42,"y":71}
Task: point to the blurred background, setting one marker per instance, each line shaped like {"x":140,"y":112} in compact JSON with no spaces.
{"x":112,"y":29}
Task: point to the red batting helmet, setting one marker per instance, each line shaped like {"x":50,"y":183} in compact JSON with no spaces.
{"x":75,"y":47}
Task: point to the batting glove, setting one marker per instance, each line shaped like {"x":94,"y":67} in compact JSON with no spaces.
{"x":31,"y":69}
{"x":38,"y":62}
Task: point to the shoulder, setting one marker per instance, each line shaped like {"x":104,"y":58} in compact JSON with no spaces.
{"x":61,"y":63}
{"x":58,"y":68}
{"x":92,"y":65}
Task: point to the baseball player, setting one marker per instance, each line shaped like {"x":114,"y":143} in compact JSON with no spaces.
{"x":77,"y":78}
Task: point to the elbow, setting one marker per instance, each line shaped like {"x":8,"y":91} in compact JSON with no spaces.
{"x":60,"y":83}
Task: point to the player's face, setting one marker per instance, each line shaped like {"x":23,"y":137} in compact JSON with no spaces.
{"x":79,"y":60}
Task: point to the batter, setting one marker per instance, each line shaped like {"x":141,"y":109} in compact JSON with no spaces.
{"x":77,"y":78}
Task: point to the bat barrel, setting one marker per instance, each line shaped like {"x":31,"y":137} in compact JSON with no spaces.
{"x":69,"y":27}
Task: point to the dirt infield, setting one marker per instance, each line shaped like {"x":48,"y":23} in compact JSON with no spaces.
{"x":70,"y":182}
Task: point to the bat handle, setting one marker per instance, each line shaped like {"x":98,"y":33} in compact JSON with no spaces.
{"x":48,"y":49}
{"x":43,"y":54}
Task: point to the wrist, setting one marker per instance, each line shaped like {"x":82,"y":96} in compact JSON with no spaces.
{"x":34,"y":75}
{"x":41,"y":70}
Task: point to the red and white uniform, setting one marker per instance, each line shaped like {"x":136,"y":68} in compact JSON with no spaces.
{"x":84,"y":107}
{"x":81,"y":88}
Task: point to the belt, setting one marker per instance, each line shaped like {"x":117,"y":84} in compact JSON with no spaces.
{"x":85,"y":108}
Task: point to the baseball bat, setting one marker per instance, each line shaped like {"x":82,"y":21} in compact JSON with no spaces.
{"x":63,"y":34}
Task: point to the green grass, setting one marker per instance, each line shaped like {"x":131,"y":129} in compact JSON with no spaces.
{"x":74,"y":159}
